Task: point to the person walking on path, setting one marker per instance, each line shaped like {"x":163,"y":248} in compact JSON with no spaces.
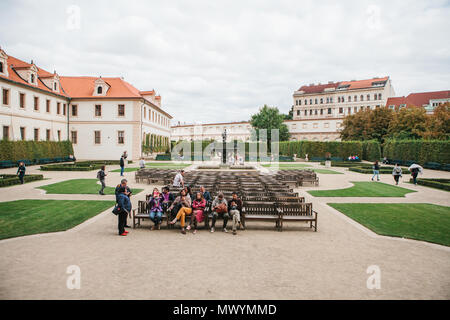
{"x":414,"y":174}
{"x":122,"y":165}
{"x":235,"y":208}
{"x":21,"y":171}
{"x":155,"y":208}
{"x":124,"y":207}
{"x":397,"y":173}
{"x":101,"y":177}
{"x":376,"y":170}
{"x":219,"y":206}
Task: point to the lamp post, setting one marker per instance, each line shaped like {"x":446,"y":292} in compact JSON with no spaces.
{"x":224,"y":148}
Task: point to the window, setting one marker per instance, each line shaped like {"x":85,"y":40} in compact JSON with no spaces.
{"x":306,"y":102}
{"x":36,"y":103}
{"x":121,"y":110}
{"x":47,"y":134}
{"x":58,"y":108}
{"x":315,"y":101}
{"x":329,"y":110}
{"x":349,"y":110}
{"x":328,"y":99}
{"x":22,"y":100}
{"x":310,"y":112}
{"x":306,"y":112}
{"x":99,"y":90}
{"x":355,"y":98}
{"x":121,"y":137}
{"x":321,"y":111}
{"x":64,"y":109}
{"x":47,"y":105}
{"x":299,"y":102}
{"x":98,"y":110}
{"x":54,"y":86}
{"x":368,"y":97}
{"x":97,"y":137}
{"x":361,"y":98}
{"x":22,"y":133}
{"x":379,"y":96}
{"x":355,"y":109}
{"x":375,"y":96}
{"x":1,"y":67}
{"x":331,"y":99}
{"x":59,"y":135}
{"x":32,"y":78}
{"x":73,"y":136}
{"x":74,"y":110}
{"x":349,"y":99}
{"x":315,"y":112}
{"x":145,"y":112}
{"x":36,"y":134}
{"x":321,"y":100}
{"x":298,"y":112}
{"x":296,"y":102}
{"x":341,"y":110}
{"x":310,"y":101}
{"x":5,"y":99}
{"x":5,"y":132}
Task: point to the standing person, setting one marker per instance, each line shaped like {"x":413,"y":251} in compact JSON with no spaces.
{"x":125,"y":156}
{"x":235,"y":209}
{"x":21,"y":171}
{"x":155,"y":208}
{"x":184,"y":210}
{"x":376,"y":170}
{"x":124,"y":205}
{"x":414,"y":174}
{"x":142,"y":163}
{"x":219,"y":206}
{"x":123,"y":184}
{"x":122,"y":165}
{"x":198,"y":211}
{"x":397,"y":173}
{"x":101,"y":177}
{"x":178,"y":181}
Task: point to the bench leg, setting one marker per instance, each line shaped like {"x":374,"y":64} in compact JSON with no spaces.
{"x":134,"y":222}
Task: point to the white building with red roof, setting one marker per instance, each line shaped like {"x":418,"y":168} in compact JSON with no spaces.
{"x":319,"y":109}
{"x":427,"y":100}
{"x":103,"y":117}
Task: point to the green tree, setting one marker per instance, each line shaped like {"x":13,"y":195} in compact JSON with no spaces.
{"x":367,"y":125}
{"x":408,"y":123}
{"x":270,"y":118}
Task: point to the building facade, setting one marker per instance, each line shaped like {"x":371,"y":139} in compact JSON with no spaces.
{"x":103,"y":117}
{"x":319,"y":109}
{"x":240,"y":131}
{"x":427,"y":100}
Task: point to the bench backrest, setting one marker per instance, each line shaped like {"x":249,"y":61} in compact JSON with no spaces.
{"x":295,"y":209}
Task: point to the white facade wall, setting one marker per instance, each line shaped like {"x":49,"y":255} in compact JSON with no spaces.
{"x":15,"y":117}
{"x":235,"y":131}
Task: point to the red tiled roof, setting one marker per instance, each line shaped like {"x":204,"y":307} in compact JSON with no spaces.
{"x":17,"y":64}
{"x":418,"y":99}
{"x":83,"y":87}
{"x":356,"y":84}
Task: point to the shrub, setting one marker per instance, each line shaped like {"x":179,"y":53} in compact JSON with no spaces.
{"x":443,"y":184}
{"x":34,"y":150}
{"x":319,"y":149}
{"x":371,"y":150}
{"x":11,"y":179}
{"x":419,"y":151}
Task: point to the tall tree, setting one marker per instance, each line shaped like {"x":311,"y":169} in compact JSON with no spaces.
{"x":438,"y":126}
{"x":408,"y":123}
{"x":270,"y":118}
{"x":367,"y":125}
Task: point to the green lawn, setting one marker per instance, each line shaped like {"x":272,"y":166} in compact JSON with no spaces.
{"x":288,"y":165}
{"x":420,"y":221}
{"x":364,"y":189}
{"x":79,"y":186}
{"x":153,"y":165}
{"x":24,"y":217}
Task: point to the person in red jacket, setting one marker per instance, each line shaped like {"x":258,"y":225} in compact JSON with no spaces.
{"x":198,"y":214}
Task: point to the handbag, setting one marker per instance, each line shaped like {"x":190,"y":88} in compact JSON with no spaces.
{"x":116,"y":210}
{"x":222,"y":208}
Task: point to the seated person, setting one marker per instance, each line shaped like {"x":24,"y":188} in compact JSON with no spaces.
{"x":155,"y":208}
{"x":205,"y":194}
{"x":235,"y":209}
{"x":198,"y":214}
{"x":219,"y":206}
{"x":168,"y":198}
{"x":184,"y":204}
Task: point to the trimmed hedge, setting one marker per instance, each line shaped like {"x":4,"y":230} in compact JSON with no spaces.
{"x":383,"y":170}
{"x":371,"y":150}
{"x":33,"y":150}
{"x":7,"y":180}
{"x":77,"y":166}
{"x":319,"y":149}
{"x":443,"y":184}
{"x":418,"y":151}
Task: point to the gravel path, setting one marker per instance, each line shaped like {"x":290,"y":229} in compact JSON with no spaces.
{"x":258,"y":263}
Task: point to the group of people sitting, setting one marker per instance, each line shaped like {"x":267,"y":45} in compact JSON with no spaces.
{"x":193,"y":208}
{"x":353,"y":158}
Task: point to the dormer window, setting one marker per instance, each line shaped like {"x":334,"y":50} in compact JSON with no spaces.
{"x":3,"y":63}
{"x":32,"y":78}
{"x":1,"y":67}
{"x":101,"y":87}
{"x":54,"y":86}
{"x":99,"y":90}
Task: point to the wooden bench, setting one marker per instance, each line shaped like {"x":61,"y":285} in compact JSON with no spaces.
{"x":260,"y":211}
{"x":142,"y":214}
{"x":302,"y":212}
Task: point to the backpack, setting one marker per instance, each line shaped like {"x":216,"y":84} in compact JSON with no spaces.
{"x":99,"y":174}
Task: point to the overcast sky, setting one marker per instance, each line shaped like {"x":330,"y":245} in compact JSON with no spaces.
{"x":215,"y":61}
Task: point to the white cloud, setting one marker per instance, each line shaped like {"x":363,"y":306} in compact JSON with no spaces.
{"x":220,"y":61}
